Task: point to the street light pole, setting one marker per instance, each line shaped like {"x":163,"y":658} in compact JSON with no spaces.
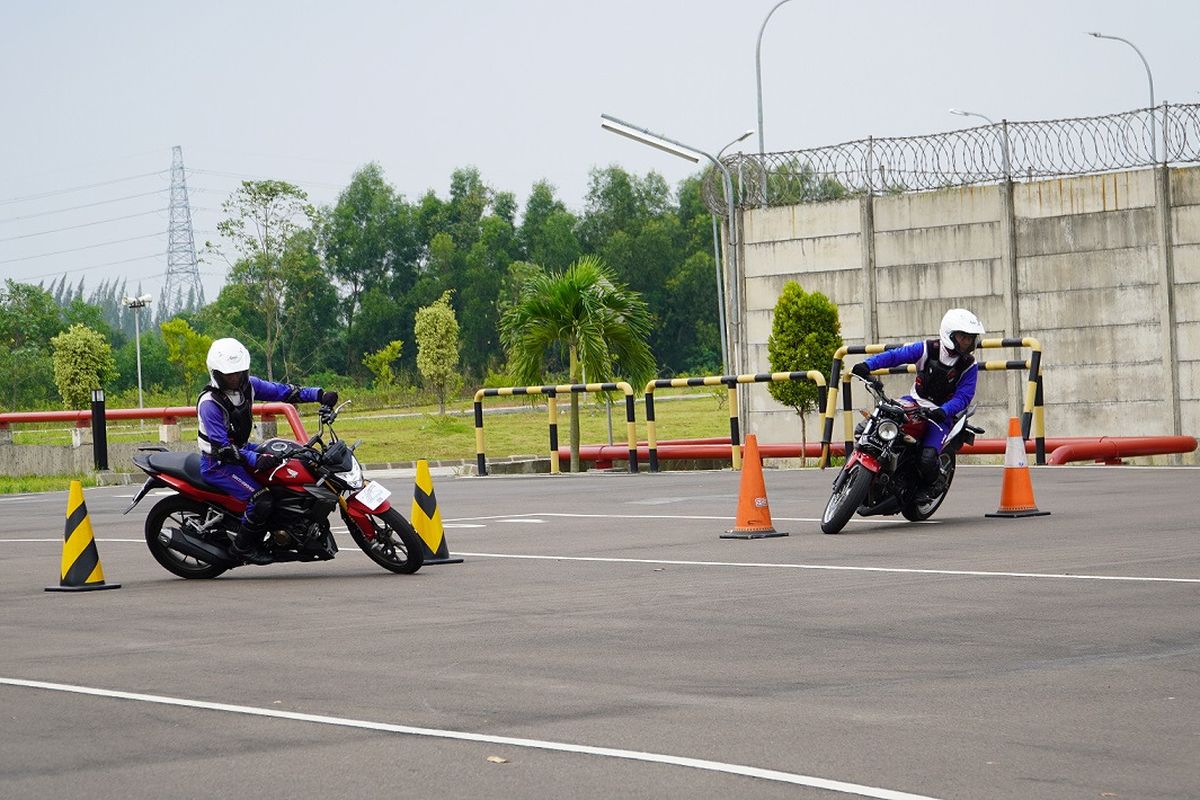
{"x":1149,"y":79}
{"x":1003,"y":136}
{"x":762,"y":164}
{"x":136,"y":304}
{"x":689,"y":153}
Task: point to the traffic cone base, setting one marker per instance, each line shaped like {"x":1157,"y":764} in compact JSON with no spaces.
{"x":1016,"y":493}
{"x":427,"y":519}
{"x":753,"y":512}
{"x":81,"y":570}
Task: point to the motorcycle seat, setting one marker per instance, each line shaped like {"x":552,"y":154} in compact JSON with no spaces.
{"x":182,"y":465}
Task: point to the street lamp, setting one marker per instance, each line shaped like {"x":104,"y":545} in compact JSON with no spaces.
{"x":136,"y":304}
{"x":758,"y":83}
{"x":1003,"y":135}
{"x":693,"y":154}
{"x":1149,"y":79}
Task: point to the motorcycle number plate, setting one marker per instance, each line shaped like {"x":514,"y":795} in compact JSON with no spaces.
{"x":373,"y":495}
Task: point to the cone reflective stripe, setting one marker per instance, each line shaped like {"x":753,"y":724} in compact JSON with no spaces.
{"x":753,"y":512}
{"x":81,"y":570}
{"x":1016,"y":493}
{"x":427,"y":519}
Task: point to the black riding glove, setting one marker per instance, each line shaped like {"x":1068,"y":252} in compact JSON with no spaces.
{"x":937,"y":415}
{"x":862,"y":370}
{"x":267,"y":461}
{"x":327,"y":398}
{"x":228,"y":455}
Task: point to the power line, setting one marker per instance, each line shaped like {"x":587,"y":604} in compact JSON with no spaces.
{"x":82,"y":225}
{"x":79,"y":188}
{"x":78,"y":249}
{"x":164,"y":190}
{"x":93,"y":266}
{"x":239,"y":176}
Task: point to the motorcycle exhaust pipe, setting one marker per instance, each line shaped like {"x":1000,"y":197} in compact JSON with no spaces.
{"x":196,"y":548}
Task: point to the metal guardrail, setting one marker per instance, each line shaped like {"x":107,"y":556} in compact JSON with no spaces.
{"x":551,"y":393}
{"x":731,"y":382}
{"x":986,"y":154}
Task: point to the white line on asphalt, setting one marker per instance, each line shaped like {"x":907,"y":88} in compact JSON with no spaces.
{"x":727,"y":517}
{"x":838,"y":568}
{"x":537,"y":744}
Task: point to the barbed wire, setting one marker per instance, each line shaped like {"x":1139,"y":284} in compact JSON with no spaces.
{"x":985,"y":154}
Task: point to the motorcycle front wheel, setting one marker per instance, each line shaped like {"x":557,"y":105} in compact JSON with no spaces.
{"x":924,"y":508}
{"x":846,"y":500}
{"x":181,"y":513}
{"x":392,"y":543}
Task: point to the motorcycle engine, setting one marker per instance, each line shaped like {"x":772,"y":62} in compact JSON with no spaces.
{"x":298,"y":531}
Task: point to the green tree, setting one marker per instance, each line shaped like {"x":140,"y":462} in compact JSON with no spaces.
{"x":369,"y":239}
{"x":28,"y":315}
{"x":380,"y":363}
{"x":83,"y":361}
{"x":805,"y":332}
{"x":186,"y":351}
{"x":602,"y":324}
{"x":436,"y":329}
{"x":263,"y":218}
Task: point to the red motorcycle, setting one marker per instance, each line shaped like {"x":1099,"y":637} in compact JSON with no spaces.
{"x":189,"y":533}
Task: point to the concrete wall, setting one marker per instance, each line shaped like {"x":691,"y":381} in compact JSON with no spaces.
{"x":1104,"y":270}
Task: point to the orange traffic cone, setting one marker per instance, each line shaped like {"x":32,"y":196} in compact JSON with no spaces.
{"x":81,"y":570}
{"x":753,"y":512}
{"x":1016,"y":494}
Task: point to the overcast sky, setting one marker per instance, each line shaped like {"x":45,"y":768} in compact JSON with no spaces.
{"x":99,"y":92}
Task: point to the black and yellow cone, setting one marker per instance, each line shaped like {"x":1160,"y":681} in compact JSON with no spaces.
{"x":81,"y":570}
{"x":427,"y":520}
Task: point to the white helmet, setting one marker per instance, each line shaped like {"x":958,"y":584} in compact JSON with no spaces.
{"x":227,"y":357}
{"x":959,"y":320}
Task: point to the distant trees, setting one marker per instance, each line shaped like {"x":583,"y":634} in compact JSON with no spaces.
{"x":436,"y":329}
{"x":315,"y":291}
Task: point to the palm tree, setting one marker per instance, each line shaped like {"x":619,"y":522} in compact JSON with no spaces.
{"x":602,"y":324}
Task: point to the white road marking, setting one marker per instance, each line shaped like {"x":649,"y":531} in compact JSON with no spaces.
{"x":839,"y":568}
{"x":523,"y":519}
{"x":723,"y":517}
{"x":466,"y":736}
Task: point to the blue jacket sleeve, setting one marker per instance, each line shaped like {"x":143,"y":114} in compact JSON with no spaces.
{"x":280,"y":392}
{"x":964,"y":394}
{"x":908,"y":354}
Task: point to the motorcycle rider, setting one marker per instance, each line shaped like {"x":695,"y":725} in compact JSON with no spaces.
{"x":223,"y":413}
{"x":945,"y":380}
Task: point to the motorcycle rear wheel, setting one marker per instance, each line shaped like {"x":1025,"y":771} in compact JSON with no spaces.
{"x":920,"y":511}
{"x":846,"y":500}
{"x":178,"y":512}
{"x":395,"y":546}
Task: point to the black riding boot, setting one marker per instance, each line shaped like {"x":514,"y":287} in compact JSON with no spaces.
{"x":248,"y":544}
{"x":929,"y":467}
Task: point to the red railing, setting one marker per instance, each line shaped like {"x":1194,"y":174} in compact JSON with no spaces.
{"x":169,"y":415}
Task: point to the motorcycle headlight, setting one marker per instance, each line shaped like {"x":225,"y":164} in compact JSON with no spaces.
{"x":353,"y":478}
{"x":887,"y":430}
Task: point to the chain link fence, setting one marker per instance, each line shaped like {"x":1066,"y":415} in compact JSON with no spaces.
{"x":986,"y":154}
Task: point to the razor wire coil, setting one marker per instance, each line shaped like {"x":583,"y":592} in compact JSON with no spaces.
{"x":1015,"y":151}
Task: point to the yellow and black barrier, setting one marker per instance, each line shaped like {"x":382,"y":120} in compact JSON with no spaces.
{"x":81,"y":570}
{"x":730,"y":382}
{"x":551,"y":393}
{"x":1033,"y":418}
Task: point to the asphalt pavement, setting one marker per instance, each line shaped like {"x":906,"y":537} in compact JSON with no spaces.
{"x":601,"y":640}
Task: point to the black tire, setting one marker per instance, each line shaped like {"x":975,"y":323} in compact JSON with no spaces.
{"x":175,"y":512}
{"x":395,"y":546}
{"x":844,"y":502}
{"x":920,"y":511}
